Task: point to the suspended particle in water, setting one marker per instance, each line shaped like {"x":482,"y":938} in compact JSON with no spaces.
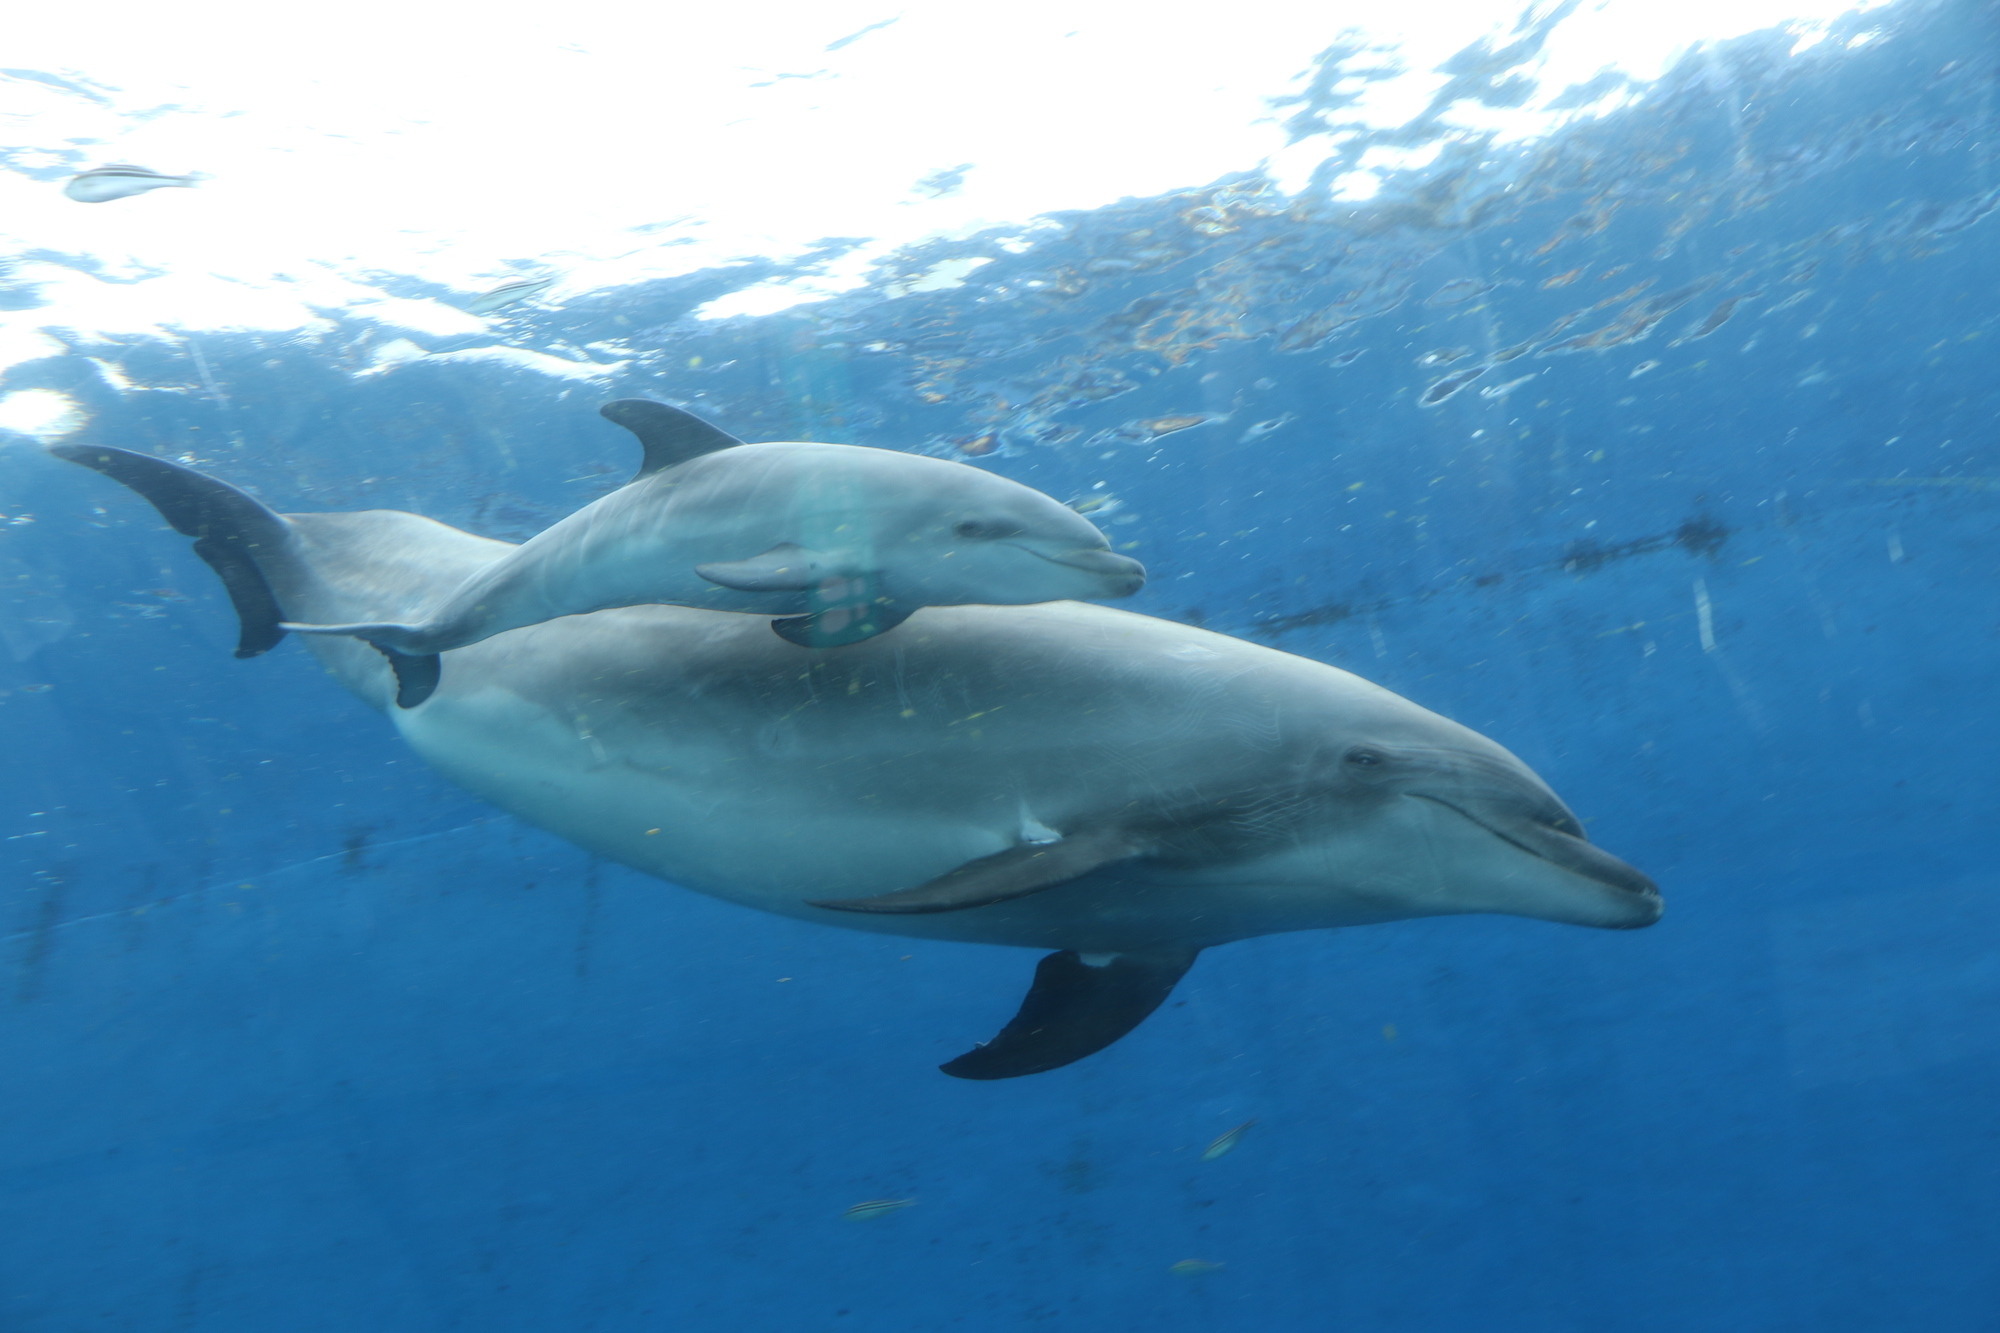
{"x":873,"y":1208}
{"x":1225,"y":1143}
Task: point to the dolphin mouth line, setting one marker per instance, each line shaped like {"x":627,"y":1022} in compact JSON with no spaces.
{"x":1090,"y":560}
{"x":1575,"y":854}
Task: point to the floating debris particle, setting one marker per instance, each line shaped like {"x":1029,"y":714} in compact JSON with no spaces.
{"x":1194,"y":1268}
{"x":943,"y":181}
{"x":1561,"y":279}
{"x":1263,"y":428}
{"x":977,"y":444}
{"x":1348,"y":358}
{"x":1168,"y":425}
{"x":1100,"y":503}
{"x":1716,"y":319}
{"x":1642,"y":368}
{"x":1225,"y":1143}
{"x":1450,"y":385}
{"x":1459,"y":291}
{"x":121,"y":180}
{"x":1502,"y":390}
{"x":873,"y":1208}
{"x":1444,"y":356}
{"x":1633,"y":324}
{"x":508,"y":293}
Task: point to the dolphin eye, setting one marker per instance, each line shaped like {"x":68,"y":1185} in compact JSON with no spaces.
{"x":1363,"y":757}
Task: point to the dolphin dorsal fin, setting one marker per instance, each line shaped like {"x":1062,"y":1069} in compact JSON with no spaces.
{"x":667,"y":434}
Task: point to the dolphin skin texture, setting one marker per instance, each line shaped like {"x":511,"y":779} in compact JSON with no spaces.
{"x":1120,"y":790}
{"x":843,"y":542}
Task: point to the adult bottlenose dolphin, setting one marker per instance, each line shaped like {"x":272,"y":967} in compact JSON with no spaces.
{"x":843,"y":541}
{"x":1122,"y":790}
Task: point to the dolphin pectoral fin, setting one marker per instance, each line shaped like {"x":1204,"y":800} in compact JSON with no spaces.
{"x":417,"y":674}
{"x":230,"y":529}
{"x":1014,"y":873}
{"x":387,"y":635}
{"x":839,"y":626}
{"x":667,"y":434}
{"x":786,"y":567}
{"x":1077,"y":1006}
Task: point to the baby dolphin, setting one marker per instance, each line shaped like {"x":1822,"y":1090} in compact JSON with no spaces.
{"x":120,"y":180}
{"x":843,"y":541}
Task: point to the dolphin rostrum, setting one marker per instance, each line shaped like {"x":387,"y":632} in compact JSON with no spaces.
{"x":1121,"y":790}
{"x":843,"y":541}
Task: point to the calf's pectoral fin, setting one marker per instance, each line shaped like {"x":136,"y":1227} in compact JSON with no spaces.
{"x":1014,"y":873}
{"x":839,"y":626}
{"x":786,"y":567}
{"x":1078,"y":1005}
{"x":417,"y":674}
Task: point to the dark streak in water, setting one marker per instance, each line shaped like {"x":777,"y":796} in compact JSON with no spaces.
{"x":353,"y":848}
{"x":1701,"y":535}
{"x":1331,"y":613}
{"x":41,"y":935}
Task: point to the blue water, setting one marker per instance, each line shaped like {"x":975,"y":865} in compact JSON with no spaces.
{"x":302,"y":1038}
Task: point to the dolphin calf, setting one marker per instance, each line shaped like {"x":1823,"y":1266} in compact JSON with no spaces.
{"x":844,"y":542}
{"x":1119,"y":790}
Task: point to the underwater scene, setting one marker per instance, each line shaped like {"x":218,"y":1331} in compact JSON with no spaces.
{"x":855,"y":666}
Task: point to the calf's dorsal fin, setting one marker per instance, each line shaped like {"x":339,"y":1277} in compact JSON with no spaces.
{"x":667,"y":434}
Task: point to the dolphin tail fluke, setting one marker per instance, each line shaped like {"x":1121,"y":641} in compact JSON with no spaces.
{"x":1079,"y":1004}
{"x":232,"y":531}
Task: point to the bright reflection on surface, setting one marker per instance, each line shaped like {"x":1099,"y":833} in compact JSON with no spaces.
{"x":607,"y":144}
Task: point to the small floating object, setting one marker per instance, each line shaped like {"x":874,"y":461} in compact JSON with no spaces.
{"x":862,"y":1212}
{"x":1226,"y":1143}
{"x":508,"y":293}
{"x":121,"y":180}
{"x":1194,"y":1268}
{"x":1168,"y":425}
